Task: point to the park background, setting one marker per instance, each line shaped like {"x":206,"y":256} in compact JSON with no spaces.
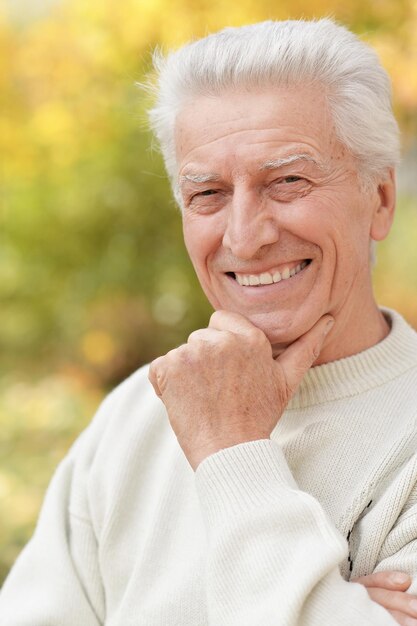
{"x":94,"y":280}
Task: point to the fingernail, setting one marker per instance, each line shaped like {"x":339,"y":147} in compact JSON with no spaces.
{"x":399,"y":578}
{"x":328,"y":326}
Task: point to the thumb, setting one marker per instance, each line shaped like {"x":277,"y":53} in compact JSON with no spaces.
{"x":300,"y":355}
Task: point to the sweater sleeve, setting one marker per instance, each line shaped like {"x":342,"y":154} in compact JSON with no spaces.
{"x":55,"y":581}
{"x":273,"y":553}
{"x":399,"y":549}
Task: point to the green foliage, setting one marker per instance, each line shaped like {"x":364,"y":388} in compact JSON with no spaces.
{"x":94,"y":278}
{"x":38,"y":422}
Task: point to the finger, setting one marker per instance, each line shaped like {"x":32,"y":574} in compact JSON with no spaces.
{"x":235,"y":322}
{"x":394,"y":600}
{"x":300,"y":355}
{"x":403,"y":619}
{"x":205,"y":334}
{"x":386,"y":580}
{"x":159,"y":369}
{"x":154,"y":373}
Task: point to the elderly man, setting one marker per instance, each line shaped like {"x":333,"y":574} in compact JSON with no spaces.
{"x":278,"y":463}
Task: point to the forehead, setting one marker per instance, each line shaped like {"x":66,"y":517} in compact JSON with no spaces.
{"x":243,"y":129}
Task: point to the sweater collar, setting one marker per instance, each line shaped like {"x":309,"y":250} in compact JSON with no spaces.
{"x":355,"y":374}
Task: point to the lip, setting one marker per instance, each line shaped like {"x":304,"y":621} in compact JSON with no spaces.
{"x":271,"y":269}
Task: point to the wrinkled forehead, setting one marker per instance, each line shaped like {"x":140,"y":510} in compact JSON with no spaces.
{"x":255,"y":126}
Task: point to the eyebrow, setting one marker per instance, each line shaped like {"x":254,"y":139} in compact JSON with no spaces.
{"x":198,"y":178}
{"x":268,"y":165}
{"x":277,"y":163}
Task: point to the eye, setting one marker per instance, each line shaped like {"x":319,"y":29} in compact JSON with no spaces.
{"x":207,"y":192}
{"x":206,"y":201}
{"x":286,"y":181}
{"x":289,"y":188}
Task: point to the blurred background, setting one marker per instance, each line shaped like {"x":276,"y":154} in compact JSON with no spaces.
{"x":94,"y":280}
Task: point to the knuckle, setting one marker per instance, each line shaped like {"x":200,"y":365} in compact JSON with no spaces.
{"x":156,"y":378}
{"x":173,"y":354}
{"x":257,"y":336}
{"x":257,"y":340}
{"x":229,"y":337}
{"x":196,"y":335}
{"x":151,"y":376}
{"x":182,"y":354}
{"x":153,"y":368}
{"x":216,"y":316}
{"x":227,"y":342}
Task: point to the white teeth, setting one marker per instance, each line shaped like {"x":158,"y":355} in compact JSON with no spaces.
{"x":266,"y":279}
{"x":254,"y":280}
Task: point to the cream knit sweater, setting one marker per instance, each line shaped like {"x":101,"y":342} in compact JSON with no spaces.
{"x":265,"y":533}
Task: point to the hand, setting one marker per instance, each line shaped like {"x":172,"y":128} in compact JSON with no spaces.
{"x":223,"y":387}
{"x":389,"y":591}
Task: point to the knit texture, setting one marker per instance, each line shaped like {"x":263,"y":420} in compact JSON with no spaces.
{"x":264,"y":533}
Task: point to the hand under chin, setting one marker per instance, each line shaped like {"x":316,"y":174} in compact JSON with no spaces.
{"x":279,"y":348}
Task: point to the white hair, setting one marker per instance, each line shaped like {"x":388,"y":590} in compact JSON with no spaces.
{"x":287,"y":53}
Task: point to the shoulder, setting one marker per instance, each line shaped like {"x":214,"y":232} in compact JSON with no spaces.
{"x":396,"y":355}
{"x":129,"y":411}
{"x":401,"y":331}
{"x":128,"y":437}
{"x":129,"y":415}
{"x":134,"y":390}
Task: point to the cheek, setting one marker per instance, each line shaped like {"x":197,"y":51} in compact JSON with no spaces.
{"x":338,"y":228}
{"x":201,"y":239}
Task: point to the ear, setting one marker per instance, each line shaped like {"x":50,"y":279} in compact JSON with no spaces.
{"x":383,"y":214}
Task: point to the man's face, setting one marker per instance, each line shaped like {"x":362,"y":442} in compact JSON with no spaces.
{"x":275,"y":221}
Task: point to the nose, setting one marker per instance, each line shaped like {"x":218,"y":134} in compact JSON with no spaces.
{"x":250,"y":226}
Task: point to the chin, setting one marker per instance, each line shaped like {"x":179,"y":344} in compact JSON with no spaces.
{"x":280,"y":341}
{"x":282,"y":329}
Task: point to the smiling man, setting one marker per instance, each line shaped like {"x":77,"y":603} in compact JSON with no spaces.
{"x":278,"y":465}
{"x":279,"y":230}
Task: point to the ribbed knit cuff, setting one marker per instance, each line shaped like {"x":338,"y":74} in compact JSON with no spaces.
{"x":241,"y":478}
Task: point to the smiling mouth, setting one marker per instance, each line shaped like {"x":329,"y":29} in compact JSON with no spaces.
{"x":268,"y":278}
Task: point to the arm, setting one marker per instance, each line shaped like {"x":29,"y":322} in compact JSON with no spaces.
{"x":273,"y":555}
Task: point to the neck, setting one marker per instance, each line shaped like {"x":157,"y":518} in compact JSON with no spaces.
{"x":353,"y":332}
